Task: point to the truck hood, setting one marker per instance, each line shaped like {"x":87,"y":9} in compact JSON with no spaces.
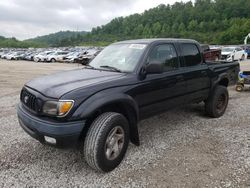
{"x":58,"y":84}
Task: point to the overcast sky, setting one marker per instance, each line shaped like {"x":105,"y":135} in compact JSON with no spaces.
{"x":30,"y":18}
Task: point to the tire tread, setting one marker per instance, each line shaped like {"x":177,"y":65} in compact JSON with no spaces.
{"x":93,"y":135}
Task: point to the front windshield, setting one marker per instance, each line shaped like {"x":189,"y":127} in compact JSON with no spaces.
{"x":227,"y":49}
{"x":124,"y":57}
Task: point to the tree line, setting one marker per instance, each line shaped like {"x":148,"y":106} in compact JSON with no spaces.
{"x":208,"y":21}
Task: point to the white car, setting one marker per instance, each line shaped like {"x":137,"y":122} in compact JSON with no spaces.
{"x":14,"y":56}
{"x":233,"y":53}
{"x":71,"y":57}
{"x":42,"y":57}
{"x":56,"y":56}
{"x":4,"y":55}
{"x":90,"y":54}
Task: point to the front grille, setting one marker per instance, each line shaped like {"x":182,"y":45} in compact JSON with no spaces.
{"x":28,"y":99}
{"x":224,"y":57}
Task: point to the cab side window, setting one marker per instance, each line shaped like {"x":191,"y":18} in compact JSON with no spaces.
{"x":165,"y":54}
{"x":191,"y":55}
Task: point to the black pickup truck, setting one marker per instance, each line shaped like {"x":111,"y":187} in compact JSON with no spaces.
{"x":101,"y":104}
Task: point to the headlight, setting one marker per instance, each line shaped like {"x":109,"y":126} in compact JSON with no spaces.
{"x":58,"y":108}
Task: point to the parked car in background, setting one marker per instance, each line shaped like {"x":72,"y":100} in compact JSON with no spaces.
{"x":90,"y":54}
{"x":247,"y":50}
{"x":210,"y":54}
{"x":2,"y":53}
{"x":5,"y":54}
{"x":29,"y":56}
{"x":56,"y":56}
{"x":79,"y":54}
{"x":73,"y":57}
{"x":233,"y":53}
{"x":42,"y":57}
{"x":14,"y":56}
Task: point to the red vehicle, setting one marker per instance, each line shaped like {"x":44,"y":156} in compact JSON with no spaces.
{"x":211,"y":54}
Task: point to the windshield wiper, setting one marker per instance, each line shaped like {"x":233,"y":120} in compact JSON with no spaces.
{"x":111,"y":68}
{"x":89,"y":67}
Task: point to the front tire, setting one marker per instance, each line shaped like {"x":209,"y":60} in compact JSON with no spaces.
{"x":106,"y":141}
{"x":217,"y":102}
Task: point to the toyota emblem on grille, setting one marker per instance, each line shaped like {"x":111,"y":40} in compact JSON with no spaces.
{"x":26,"y":98}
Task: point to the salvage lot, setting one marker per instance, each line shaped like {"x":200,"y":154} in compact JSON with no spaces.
{"x":179,"y":148}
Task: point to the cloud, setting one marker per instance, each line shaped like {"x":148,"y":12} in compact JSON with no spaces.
{"x":29,"y":18}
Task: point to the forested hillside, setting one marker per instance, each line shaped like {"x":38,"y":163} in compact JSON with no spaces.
{"x":62,"y":38}
{"x":14,"y":43}
{"x":214,"y":22}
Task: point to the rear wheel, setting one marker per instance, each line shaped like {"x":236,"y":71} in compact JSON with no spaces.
{"x":106,"y":141}
{"x":239,"y":88}
{"x":53,"y":60}
{"x":217,"y":102}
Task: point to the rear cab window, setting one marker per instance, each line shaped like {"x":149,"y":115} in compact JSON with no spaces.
{"x":191,"y":55}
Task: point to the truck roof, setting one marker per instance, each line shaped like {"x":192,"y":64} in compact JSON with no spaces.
{"x":148,"y":41}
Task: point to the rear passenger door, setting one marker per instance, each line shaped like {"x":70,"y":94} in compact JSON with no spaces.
{"x":195,"y":72}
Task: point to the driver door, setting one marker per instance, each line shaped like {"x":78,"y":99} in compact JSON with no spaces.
{"x":159,"y":92}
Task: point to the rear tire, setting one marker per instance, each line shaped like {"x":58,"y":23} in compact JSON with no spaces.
{"x":239,"y":88}
{"x":53,"y":60}
{"x":106,"y":141}
{"x":217,"y":102}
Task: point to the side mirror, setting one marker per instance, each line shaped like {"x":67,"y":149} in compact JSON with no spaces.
{"x":154,"y":67}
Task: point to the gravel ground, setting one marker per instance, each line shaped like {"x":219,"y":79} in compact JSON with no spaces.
{"x":180,"y":148}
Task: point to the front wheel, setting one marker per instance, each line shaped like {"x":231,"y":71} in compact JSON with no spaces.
{"x":106,"y":141}
{"x":216,"y":104}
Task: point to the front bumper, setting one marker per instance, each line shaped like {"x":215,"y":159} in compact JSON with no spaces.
{"x":65,"y":133}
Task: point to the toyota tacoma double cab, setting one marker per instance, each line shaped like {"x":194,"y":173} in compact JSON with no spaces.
{"x":101,"y":104}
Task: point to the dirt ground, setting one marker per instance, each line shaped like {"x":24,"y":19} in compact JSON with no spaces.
{"x":180,"y":148}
